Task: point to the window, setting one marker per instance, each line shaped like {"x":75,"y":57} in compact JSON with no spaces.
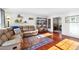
{"x":74,"y":26}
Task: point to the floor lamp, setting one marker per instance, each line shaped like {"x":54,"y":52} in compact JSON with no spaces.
{"x":8,"y":22}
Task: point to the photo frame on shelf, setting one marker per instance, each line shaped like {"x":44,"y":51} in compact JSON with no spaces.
{"x":25,"y":22}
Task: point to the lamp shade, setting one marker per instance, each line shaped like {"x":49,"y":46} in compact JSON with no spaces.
{"x":8,"y":18}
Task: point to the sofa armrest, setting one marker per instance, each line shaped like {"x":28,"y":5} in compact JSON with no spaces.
{"x":36,"y":30}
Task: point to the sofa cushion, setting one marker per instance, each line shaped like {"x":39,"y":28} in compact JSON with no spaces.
{"x":18,"y":36}
{"x":17,"y":31}
{"x":12,"y":33}
{"x":8,"y":35}
{"x":1,"y":42}
{"x":1,"y":31}
{"x":0,"y":34}
{"x":31,"y":28}
{"x":25,"y":28}
{"x":4,"y":38}
{"x":11,"y":42}
{"x":14,"y":40}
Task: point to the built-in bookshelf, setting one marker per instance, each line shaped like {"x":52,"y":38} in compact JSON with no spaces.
{"x":41,"y":24}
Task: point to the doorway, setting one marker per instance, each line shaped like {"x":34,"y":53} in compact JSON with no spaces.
{"x":57,"y":24}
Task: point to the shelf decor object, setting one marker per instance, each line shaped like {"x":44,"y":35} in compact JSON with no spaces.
{"x":30,"y":18}
{"x":8,"y":19}
{"x":25,"y":21}
{"x":19,"y":19}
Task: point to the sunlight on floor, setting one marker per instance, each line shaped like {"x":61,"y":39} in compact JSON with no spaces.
{"x":66,"y":44}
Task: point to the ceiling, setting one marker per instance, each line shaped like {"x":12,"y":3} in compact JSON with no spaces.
{"x":40,"y":11}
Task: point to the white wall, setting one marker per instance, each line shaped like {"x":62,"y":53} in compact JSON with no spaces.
{"x":0,"y":18}
{"x":65,"y":26}
{"x":51,"y":29}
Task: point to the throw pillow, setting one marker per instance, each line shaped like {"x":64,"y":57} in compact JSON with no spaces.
{"x":17,"y":31}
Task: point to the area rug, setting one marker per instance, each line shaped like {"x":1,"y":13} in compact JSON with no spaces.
{"x":43,"y":42}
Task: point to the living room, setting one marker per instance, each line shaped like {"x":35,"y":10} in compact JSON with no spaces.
{"x":38,"y":29}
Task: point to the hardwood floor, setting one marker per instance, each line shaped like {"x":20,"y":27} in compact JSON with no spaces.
{"x":72,"y":38}
{"x":56,"y":37}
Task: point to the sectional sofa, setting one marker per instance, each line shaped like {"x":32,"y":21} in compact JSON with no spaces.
{"x":9,"y":40}
{"x":29,"y":30}
{"x":12,"y":38}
